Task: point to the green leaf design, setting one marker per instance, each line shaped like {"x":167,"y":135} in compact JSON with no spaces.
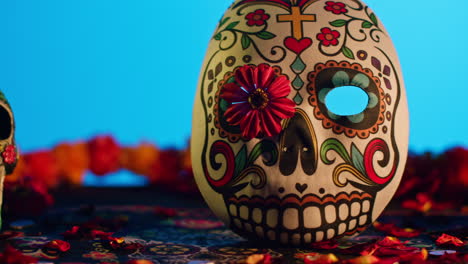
{"x":264,"y":146}
{"x":335,"y":145}
{"x":265,"y":35}
{"x":217,"y":36}
{"x":338,"y":23}
{"x":232,"y":25}
{"x":366,"y":24}
{"x":373,"y":18}
{"x":223,"y":104}
{"x":347,"y":52}
{"x":223,"y":22}
{"x":245,"y":41}
{"x":241,"y":160}
{"x":358,"y":160}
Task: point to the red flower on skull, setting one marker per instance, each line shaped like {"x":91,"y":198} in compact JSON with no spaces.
{"x":9,"y":154}
{"x":336,"y":7}
{"x":257,"y":17}
{"x":328,"y":37}
{"x":258,"y":101}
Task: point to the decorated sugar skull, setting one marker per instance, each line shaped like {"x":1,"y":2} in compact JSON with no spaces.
{"x":269,"y":156}
{"x":9,"y":154}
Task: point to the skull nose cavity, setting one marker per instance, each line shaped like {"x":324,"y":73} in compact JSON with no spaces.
{"x":298,"y":143}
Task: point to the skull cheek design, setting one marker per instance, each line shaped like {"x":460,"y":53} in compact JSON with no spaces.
{"x":304,"y":175}
{"x":9,"y":154}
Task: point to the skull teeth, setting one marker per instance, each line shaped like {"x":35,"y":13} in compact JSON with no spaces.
{"x":297,"y":225}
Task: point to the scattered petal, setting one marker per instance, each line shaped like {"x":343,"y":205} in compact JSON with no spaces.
{"x":10,"y":255}
{"x":447,"y":240}
{"x":164,"y":211}
{"x":60,"y":245}
{"x":326,"y":244}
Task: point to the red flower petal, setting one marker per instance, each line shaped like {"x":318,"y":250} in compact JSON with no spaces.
{"x":265,"y":76}
{"x":321,"y":37}
{"x":60,"y":245}
{"x":280,"y":87}
{"x":232,"y":93}
{"x":316,"y":258}
{"x":236,"y":112}
{"x":272,"y":123}
{"x":166,"y":212}
{"x":246,"y":78}
{"x":335,"y":33}
{"x":326,"y":30}
{"x":259,"y":22}
{"x":250,"y":125}
{"x":447,"y":240}
{"x":394,"y":230}
{"x":327,"y":244}
{"x":282,"y":107}
{"x":10,"y":255}
{"x":269,"y":126}
{"x":259,"y":12}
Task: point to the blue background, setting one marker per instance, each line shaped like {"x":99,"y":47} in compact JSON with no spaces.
{"x":73,"y":69}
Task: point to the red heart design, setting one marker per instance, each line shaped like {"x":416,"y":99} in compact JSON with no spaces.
{"x":297,"y":46}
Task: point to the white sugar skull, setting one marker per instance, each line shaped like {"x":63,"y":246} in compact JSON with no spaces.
{"x":9,"y":153}
{"x":269,"y":156}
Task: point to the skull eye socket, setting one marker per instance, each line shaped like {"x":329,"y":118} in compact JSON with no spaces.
{"x":5,"y":121}
{"x":346,"y":100}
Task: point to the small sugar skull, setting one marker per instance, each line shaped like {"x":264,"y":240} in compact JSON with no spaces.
{"x":9,"y":153}
{"x":269,"y":156}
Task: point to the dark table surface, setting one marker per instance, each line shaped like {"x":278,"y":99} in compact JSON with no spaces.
{"x":193,"y":234}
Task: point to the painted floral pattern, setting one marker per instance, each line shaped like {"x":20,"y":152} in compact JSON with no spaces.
{"x":336,"y":7}
{"x":257,"y":18}
{"x":328,"y":37}
{"x":258,"y":102}
{"x":9,"y":154}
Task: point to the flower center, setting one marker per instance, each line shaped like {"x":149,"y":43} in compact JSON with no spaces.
{"x":337,"y":7}
{"x":329,"y":37}
{"x":257,"y":17}
{"x":258,"y":99}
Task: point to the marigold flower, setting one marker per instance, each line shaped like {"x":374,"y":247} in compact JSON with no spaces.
{"x":139,"y":159}
{"x":103,"y":155}
{"x":72,"y":160}
{"x":41,"y":166}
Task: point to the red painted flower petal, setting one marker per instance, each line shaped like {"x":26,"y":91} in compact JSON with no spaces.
{"x":335,"y":33}
{"x":326,"y":30}
{"x":259,"y":12}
